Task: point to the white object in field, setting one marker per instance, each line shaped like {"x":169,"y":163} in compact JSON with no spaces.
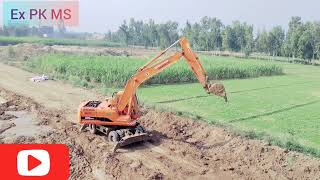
{"x":40,"y":78}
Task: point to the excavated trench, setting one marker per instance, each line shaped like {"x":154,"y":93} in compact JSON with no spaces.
{"x":184,"y":149}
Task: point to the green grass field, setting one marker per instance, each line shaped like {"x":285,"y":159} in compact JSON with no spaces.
{"x":6,"y":40}
{"x":115,"y":71}
{"x":284,"y":110}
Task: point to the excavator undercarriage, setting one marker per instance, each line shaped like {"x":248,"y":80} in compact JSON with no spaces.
{"x":120,"y":136}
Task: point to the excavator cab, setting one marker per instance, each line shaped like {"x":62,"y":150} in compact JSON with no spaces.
{"x":114,"y":100}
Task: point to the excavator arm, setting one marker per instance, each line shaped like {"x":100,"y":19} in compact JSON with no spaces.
{"x":194,"y":63}
{"x":156,"y":66}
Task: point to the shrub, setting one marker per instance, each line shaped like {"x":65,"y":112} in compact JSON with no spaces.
{"x":115,"y":71}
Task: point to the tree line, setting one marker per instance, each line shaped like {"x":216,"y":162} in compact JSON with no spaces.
{"x":301,"y":40}
{"x":24,"y":30}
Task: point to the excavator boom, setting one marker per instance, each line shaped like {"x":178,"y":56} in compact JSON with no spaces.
{"x":154,"y":67}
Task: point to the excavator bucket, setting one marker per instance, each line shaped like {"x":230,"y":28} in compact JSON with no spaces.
{"x":218,"y":90}
{"x":132,"y":139}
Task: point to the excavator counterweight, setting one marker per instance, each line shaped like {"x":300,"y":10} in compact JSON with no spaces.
{"x":117,"y":117}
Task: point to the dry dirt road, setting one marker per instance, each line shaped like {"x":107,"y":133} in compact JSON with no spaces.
{"x":185,"y":149}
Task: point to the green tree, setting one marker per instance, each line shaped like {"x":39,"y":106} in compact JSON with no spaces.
{"x":205,"y":35}
{"x":247,"y":47}
{"x":229,"y":39}
{"x":261,"y":42}
{"x":210,"y":34}
{"x":168,"y":33}
{"x":124,"y":33}
{"x":293,"y":36}
{"x":315,"y":31}
{"x":275,"y":40}
{"x":238,"y":37}
{"x":305,"y":45}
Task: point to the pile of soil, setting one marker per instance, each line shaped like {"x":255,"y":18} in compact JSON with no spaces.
{"x":24,"y":51}
{"x":99,"y":51}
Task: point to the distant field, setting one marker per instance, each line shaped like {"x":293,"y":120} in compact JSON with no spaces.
{"x":115,"y":71}
{"x":6,"y":40}
{"x":284,"y":110}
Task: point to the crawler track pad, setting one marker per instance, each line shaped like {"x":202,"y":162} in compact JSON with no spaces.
{"x":132,"y":139}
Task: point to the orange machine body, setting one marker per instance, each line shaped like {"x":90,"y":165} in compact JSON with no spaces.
{"x":106,"y":113}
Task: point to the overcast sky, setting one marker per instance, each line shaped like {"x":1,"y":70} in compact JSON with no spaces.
{"x":101,"y":15}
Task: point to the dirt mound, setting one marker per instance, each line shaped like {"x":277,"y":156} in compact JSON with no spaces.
{"x":185,"y":149}
{"x":220,"y":150}
{"x":24,"y":51}
{"x":99,"y":51}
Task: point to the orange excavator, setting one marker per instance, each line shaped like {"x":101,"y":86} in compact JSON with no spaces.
{"x":117,"y":117}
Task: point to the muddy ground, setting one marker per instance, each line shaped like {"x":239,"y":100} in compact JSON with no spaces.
{"x":183,"y":148}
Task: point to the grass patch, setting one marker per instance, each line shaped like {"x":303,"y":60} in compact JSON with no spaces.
{"x":10,"y":40}
{"x":115,"y":71}
{"x":282,"y":110}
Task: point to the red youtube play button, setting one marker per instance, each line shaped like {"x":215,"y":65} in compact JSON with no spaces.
{"x":32,"y":162}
